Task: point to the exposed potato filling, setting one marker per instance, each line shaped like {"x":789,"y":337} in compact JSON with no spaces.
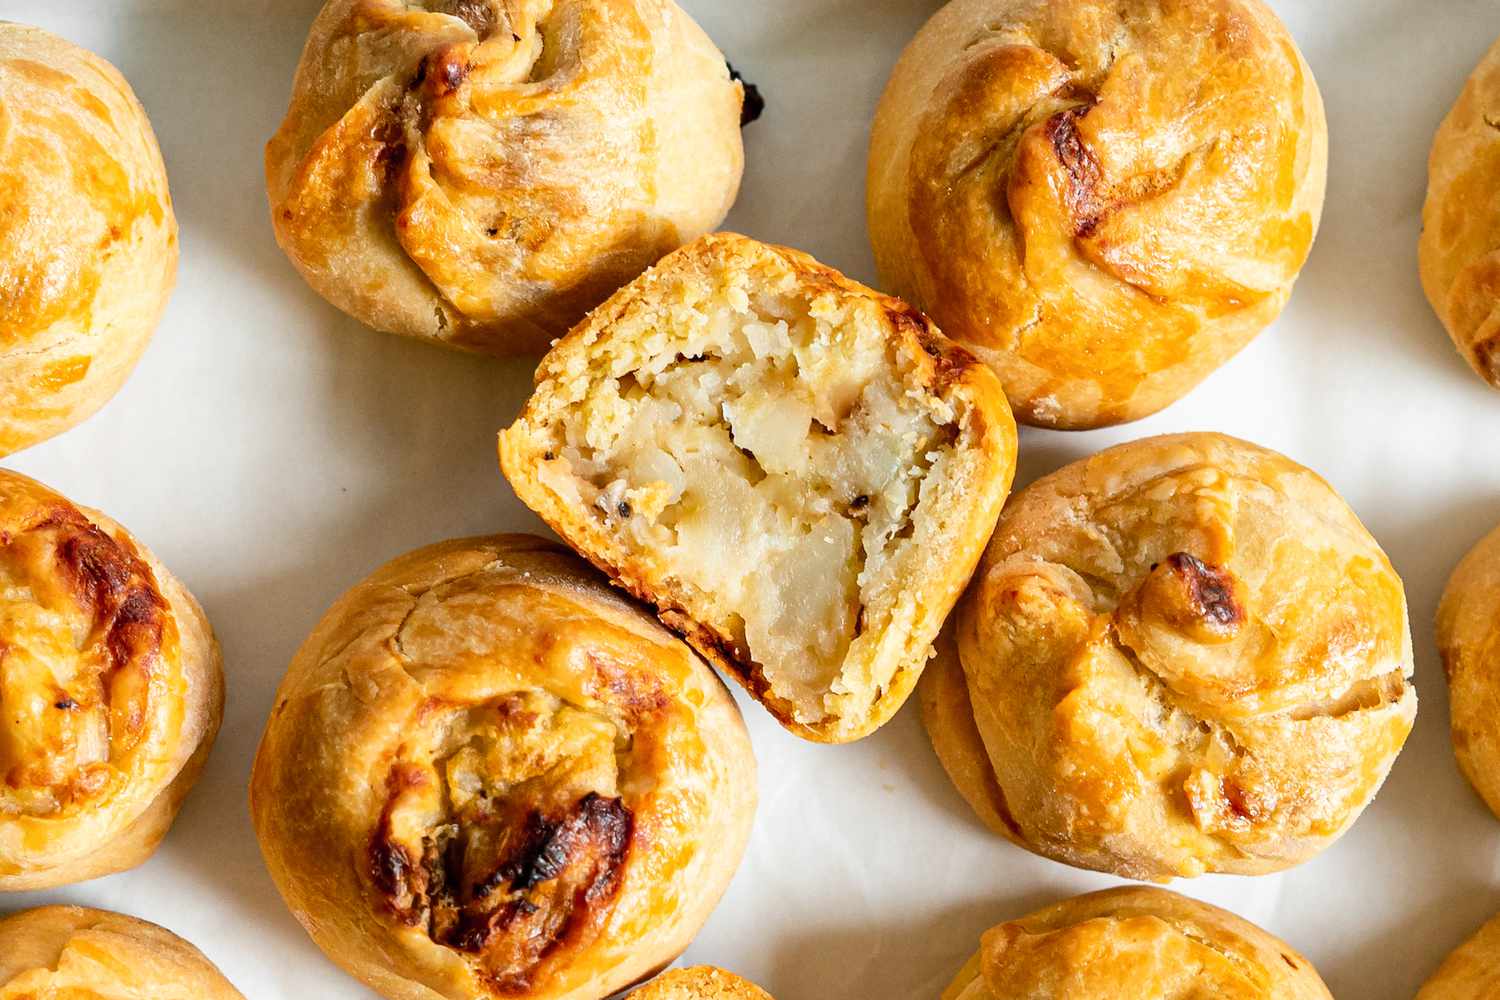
{"x":772,"y":457}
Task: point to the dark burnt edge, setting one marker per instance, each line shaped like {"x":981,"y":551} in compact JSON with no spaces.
{"x":1210,"y":588}
{"x":1085,"y":176}
{"x":755,"y":102}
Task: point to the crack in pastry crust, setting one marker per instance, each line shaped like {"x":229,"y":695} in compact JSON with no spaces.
{"x":110,"y":692}
{"x":1042,"y":176}
{"x":1135,"y":943}
{"x":530,"y":788}
{"x":1182,"y":655}
{"x":483,"y":172}
{"x":795,"y":471}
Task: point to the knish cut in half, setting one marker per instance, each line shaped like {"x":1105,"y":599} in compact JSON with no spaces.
{"x":798,"y":472}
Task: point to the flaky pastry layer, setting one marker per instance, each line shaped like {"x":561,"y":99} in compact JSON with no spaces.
{"x":797,"y":472}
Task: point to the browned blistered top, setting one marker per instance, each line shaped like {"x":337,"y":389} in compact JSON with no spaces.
{"x":1184,"y":654}
{"x":1135,"y":944}
{"x":486,"y":773}
{"x":86,"y":646}
{"x":1104,"y":199}
{"x":483,"y":172}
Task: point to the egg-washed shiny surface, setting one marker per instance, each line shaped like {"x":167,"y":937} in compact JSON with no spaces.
{"x":1181,"y":655}
{"x":1460,"y":246}
{"x":1468,"y":638}
{"x":109,"y":692}
{"x":481,"y":173}
{"x":486,"y":775}
{"x":88,"y":242}
{"x":73,"y":953}
{"x":1134,"y":944}
{"x":1103,"y":199}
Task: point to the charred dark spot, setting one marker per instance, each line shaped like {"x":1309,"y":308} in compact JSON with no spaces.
{"x":1210,"y":588}
{"x":492,"y":232}
{"x":390,"y":867}
{"x":453,"y":74}
{"x":116,"y":587}
{"x":859,"y":503}
{"x":1082,"y":166}
{"x":548,"y":456}
{"x":65,"y":704}
{"x":623,"y":509}
{"x":755,"y":102}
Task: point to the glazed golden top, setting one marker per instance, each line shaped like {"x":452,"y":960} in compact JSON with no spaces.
{"x":91,"y":697}
{"x":490,"y":778}
{"x":483,"y":172}
{"x":1105,"y":199}
{"x":1460,"y":245}
{"x":701,"y":982}
{"x":1468,"y":637}
{"x":1134,"y":944}
{"x":88,"y":242}
{"x":1185,"y":654}
{"x":72,"y":953}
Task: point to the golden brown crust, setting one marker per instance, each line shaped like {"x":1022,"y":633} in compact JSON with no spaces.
{"x":1471,"y":972}
{"x":1134,"y":944}
{"x":1183,"y":655}
{"x":480,"y":173}
{"x":1103,"y":199}
{"x":962,"y":508}
{"x":700,"y":982}
{"x":111,"y":692}
{"x":487,"y":775}
{"x":1468,"y":637}
{"x":88,"y":236}
{"x":1460,"y":246}
{"x":83,"y":954}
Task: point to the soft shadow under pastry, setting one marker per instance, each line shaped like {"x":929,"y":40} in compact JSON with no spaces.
{"x":111,"y":692}
{"x":1134,"y":944}
{"x":1468,"y":637}
{"x":488,"y":775}
{"x":81,"y":954}
{"x":798,"y":472}
{"x":1181,"y":655}
{"x":1105,"y":200}
{"x":481,"y":173}
{"x":88,"y":242}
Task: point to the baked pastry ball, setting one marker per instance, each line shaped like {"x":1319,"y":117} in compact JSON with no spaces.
{"x":1471,"y":972}
{"x":1459,"y":253}
{"x":481,"y":173}
{"x":487,"y":775}
{"x":80,"y":954}
{"x":1103,"y":199}
{"x":1182,"y":655}
{"x":700,"y":982}
{"x":1468,"y":636}
{"x":1134,"y":943}
{"x":111,"y":692}
{"x":798,"y":472}
{"x":88,"y":241}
